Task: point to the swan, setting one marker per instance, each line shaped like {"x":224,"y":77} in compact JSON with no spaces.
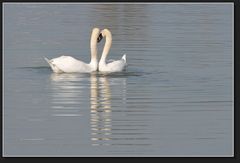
{"x":112,"y":66}
{"x":68,"y":64}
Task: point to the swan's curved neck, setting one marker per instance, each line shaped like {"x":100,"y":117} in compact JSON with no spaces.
{"x":94,"y":58}
{"x":107,"y":47}
{"x":93,"y":52}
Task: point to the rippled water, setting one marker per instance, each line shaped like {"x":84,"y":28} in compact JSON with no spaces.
{"x":175,"y":99}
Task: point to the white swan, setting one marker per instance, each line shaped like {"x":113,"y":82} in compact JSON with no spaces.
{"x":69,"y":64}
{"x":114,"y":66}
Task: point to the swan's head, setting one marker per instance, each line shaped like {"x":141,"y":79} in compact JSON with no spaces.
{"x":95,"y":34}
{"x":105,"y":32}
{"x":100,"y":37}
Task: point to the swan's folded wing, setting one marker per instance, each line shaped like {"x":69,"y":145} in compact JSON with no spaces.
{"x":112,"y":60}
{"x":70,"y":64}
{"x":109,"y":61}
{"x":118,"y":65}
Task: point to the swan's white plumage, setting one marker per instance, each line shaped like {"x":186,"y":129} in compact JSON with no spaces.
{"x":69,"y":64}
{"x":114,"y":66}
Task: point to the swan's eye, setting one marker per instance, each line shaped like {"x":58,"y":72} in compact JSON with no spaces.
{"x":99,"y":38}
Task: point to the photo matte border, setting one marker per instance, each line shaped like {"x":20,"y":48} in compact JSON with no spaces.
{"x":236,"y":105}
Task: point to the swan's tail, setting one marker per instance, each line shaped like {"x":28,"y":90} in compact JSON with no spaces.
{"x":53,"y":67}
{"x":49,"y":62}
{"x":124,"y":58}
{"x":46,"y":59}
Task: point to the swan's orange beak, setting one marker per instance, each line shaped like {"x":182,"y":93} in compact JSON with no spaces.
{"x":99,"y":38}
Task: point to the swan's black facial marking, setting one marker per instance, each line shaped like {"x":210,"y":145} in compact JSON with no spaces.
{"x":99,"y":38}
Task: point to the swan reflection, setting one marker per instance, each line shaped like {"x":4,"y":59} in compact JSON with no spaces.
{"x":100,"y":110}
{"x":107,"y":95}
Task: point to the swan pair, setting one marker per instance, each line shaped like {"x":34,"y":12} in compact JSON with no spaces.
{"x":68,"y":64}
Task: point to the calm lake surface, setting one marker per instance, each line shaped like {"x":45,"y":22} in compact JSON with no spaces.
{"x":175,"y":99}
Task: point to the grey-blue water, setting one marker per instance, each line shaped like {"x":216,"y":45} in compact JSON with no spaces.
{"x":175,"y":99}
